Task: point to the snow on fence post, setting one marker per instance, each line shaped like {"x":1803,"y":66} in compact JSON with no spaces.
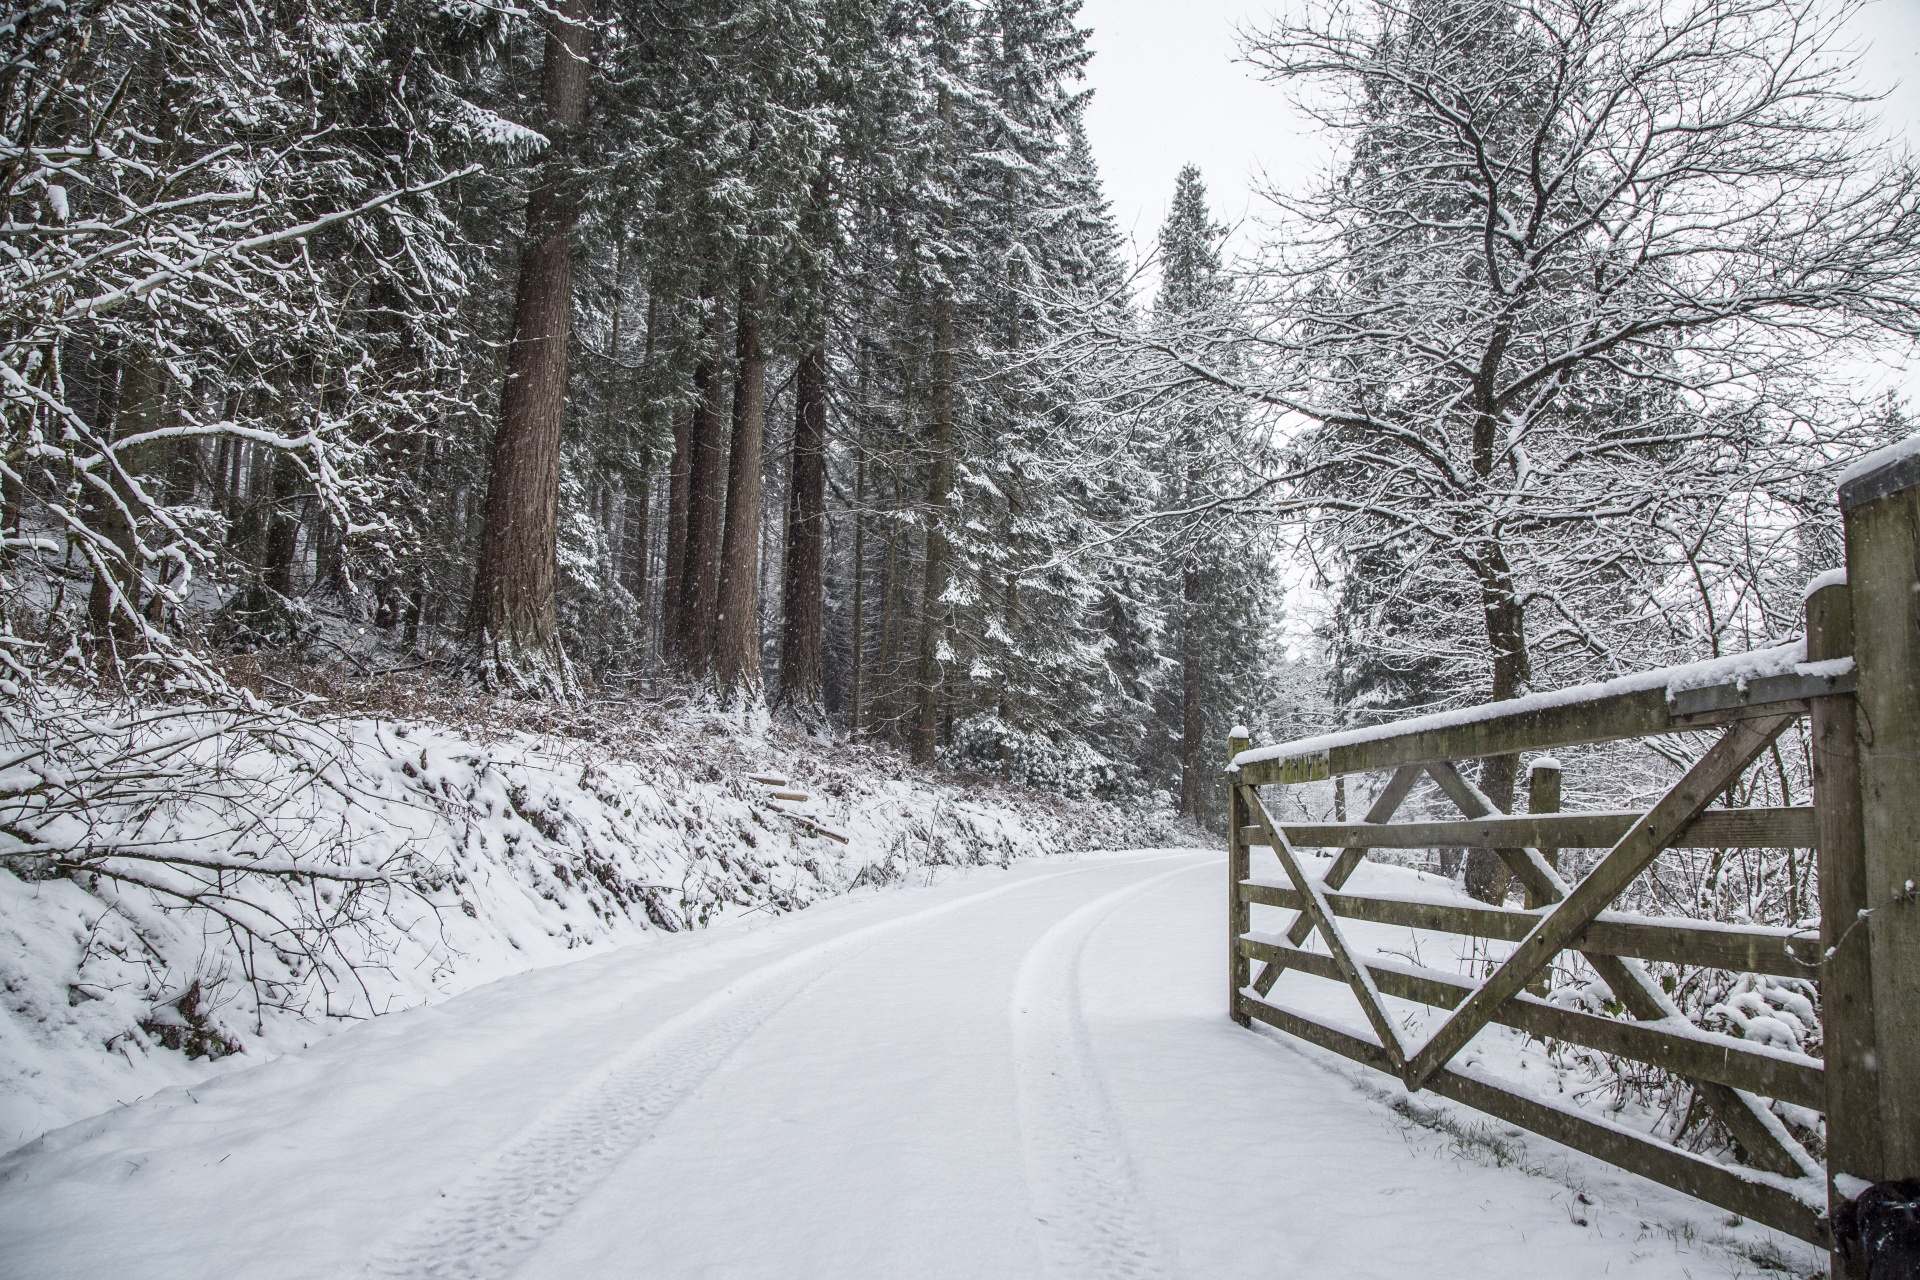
{"x":1239,"y":866}
{"x":1880,"y":934}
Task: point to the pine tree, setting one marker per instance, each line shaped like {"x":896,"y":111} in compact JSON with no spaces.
{"x":1219,"y":585}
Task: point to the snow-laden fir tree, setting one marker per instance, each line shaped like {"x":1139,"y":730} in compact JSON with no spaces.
{"x":1220,"y":585}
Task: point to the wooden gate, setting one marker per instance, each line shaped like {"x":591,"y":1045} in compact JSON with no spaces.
{"x":1866,"y":738}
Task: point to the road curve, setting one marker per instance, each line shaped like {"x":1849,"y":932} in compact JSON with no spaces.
{"x":1010,"y":1073}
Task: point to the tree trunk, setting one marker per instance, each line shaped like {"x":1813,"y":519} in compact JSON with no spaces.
{"x":138,"y":408}
{"x":707,"y":455}
{"x":513,"y":613}
{"x":13,"y":489}
{"x":114,"y":624}
{"x":1192,"y":722}
{"x":935,"y":613}
{"x":1487,"y":876}
{"x":858,"y":629}
{"x":736,"y":640}
{"x":636,"y":525}
{"x":800,"y":675}
{"x":674,"y":575}
{"x":283,"y":528}
{"x":883,"y":705}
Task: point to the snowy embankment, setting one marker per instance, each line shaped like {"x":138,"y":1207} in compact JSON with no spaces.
{"x":413,"y":860}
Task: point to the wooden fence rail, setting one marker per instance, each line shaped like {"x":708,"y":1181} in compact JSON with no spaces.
{"x":1776,"y":952}
{"x":1857,"y":676}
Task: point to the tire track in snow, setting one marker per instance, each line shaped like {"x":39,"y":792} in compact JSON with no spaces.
{"x":485,"y":1226}
{"x":1092,"y":1219}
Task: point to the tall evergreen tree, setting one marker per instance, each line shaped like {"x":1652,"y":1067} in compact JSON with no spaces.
{"x":515,"y":583}
{"x":1220,"y":584}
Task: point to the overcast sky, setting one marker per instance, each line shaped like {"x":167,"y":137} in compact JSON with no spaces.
{"x":1167,"y":90}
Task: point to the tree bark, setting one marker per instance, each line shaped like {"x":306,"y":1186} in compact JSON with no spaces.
{"x":858,"y":648}
{"x":513,"y":613}
{"x":674,"y":576}
{"x":803,"y":607}
{"x":139,"y":407}
{"x":884,"y":704}
{"x":636,"y":525}
{"x":13,"y":489}
{"x":1487,"y":877}
{"x":1192,"y":721}
{"x":736,"y":640}
{"x":935,"y":613}
{"x":707,"y":455}
{"x":283,"y":528}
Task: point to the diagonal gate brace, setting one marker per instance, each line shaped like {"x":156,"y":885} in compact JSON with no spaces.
{"x":1636,"y":850}
{"x":1384,"y":806}
{"x":1313,"y":894}
{"x":1643,"y":999}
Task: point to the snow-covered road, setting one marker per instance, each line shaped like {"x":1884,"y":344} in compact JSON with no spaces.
{"x":1009,"y":1073}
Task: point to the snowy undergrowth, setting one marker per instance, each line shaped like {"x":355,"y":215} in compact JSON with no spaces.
{"x":415,"y":859}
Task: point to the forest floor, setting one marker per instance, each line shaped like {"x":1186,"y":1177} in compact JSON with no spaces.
{"x":977,"y":1072}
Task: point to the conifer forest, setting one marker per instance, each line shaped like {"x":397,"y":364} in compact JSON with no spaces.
{"x":577,"y":350}
{"x":789,"y":352}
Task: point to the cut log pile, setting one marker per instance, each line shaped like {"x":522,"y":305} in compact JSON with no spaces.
{"x":778,"y":791}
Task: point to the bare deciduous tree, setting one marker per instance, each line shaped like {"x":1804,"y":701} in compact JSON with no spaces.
{"x":1564,"y":311}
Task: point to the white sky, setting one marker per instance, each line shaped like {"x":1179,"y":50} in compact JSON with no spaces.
{"x":1168,"y":91}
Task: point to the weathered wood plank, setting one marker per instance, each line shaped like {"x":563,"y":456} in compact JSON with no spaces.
{"x":1529,"y":866}
{"x":1384,"y":806}
{"x":1881,"y":509}
{"x":1846,"y":973}
{"x":1543,"y":796}
{"x":1802,"y":1083}
{"x":1656,"y":1161}
{"x":1314,"y":900}
{"x":1761,"y":828}
{"x":1710,"y":947}
{"x":1239,"y":971}
{"x":1720,"y":766}
{"x":1641,"y":714}
{"x":1759,"y":1135}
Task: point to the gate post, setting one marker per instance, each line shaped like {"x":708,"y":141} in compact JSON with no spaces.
{"x":1880,"y":502}
{"x":1239,"y":866}
{"x":1846,"y":974}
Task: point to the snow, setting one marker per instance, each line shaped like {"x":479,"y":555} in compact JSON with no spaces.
{"x":1867,"y":464}
{"x":1018,"y":1072}
{"x":1850,"y":1186}
{"x":491,"y":129}
{"x":542,"y":848}
{"x":1777,"y":660}
{"x":1821,"y":581}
